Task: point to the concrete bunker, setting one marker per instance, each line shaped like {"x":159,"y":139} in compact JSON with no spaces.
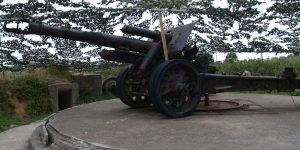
{"x":88,"y":83}
{"x":64,"y":99}
{"x":63,"y":95}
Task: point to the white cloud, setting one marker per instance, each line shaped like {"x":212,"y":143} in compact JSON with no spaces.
{"x":247,"y":56}
{"x":87,"y":49}
{"x":13,"y":1}
{"x":265,"y":5}
{"x":51,"y":50}
{"x":17,"y":55}
{"x":33,"y":37}
{"x":220,"y":3}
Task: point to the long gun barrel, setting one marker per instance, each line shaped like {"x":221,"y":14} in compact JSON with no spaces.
{"x":96,"y":38}
{"x":137,"y":51}
{"x":144,"y":32}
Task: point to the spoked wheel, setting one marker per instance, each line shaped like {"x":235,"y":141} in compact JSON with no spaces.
{"x":174,"y":88}
{"x":109,"y":85}
{"x":131,"y":88}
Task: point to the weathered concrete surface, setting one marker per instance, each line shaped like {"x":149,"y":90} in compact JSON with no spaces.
{"x":90,"y":83}
{"x":16,"y":138}
{"x":63,"y":95}
{"x":270,"y":123}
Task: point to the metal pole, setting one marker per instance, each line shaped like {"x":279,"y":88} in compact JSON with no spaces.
{"x":163,"y":37}
{"x":206,"y":99}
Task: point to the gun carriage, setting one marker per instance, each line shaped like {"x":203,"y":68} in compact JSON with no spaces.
{"x":174,"y":87}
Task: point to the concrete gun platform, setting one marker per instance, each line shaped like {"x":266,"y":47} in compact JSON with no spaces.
{"x":266,"y":122}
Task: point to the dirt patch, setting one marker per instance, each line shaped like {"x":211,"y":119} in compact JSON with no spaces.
{"x":19,"y":106}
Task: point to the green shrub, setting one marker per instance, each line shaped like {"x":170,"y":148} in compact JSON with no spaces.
{"x":38,"y":106}
{"x":85,"y":98}
{"x":5,"y":106}
{"x":296,"y":92}
{"x":111,"y":72}
{"x":59,"y":72}
{"x":33,"y":90}
{"x":7,"y":121}
{"x":27,"y":87}
{"x":270,"y":67}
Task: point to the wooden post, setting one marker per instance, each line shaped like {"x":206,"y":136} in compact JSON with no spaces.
{"x":163,"y":37}
{"x":3,"y":74}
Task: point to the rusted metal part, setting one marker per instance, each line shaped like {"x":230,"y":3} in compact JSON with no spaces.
{"x":206,"y":99}
{"x":218,"y":105}
{"x":144,"y":33}
{"x":122,"y":56}
{"x":216,"y":83}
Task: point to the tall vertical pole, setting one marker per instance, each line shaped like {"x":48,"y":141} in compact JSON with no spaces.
{"x":163,"y":37}
{"x":2,"y":66}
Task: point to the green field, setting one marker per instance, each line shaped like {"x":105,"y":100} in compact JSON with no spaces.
{"x":270,"y":67}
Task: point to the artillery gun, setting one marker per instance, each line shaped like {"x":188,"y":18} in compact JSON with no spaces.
{"x":174,"y":87}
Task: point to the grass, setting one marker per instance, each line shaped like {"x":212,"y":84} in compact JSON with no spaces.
{"x":27,"y":92}
{"x":273,"y":92}
{"x":86,"y":98}
{"x":37,"y":112}
{"x":270,"y":67}
{"x":5,"y":106}
{"x":10,"y":121}
{"x":111,"y":72}
{"x":35,"y":91}
{"x":49,"y":74}
{"x":31,"y":89}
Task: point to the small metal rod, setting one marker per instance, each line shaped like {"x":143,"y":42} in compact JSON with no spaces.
{"x":206,"y":99}
{"x":163,"y":37}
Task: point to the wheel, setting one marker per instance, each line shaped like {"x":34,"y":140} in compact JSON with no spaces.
{"x":174,"y":88}
{"x":109,"y":85}
{"x":131,"y":89}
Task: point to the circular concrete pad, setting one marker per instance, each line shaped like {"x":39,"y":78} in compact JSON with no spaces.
{"x":217,"y":105}
{"x":269,"y":123}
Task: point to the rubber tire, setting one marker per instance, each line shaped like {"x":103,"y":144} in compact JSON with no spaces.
{"x":155,"y":84}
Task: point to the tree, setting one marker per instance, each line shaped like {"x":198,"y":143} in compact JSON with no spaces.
{"x":213,"y":31}
{"x":286,"y":13}
{"x":210,"y":57}
{"x":35,"y":53}
{"x":231,"y":57}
